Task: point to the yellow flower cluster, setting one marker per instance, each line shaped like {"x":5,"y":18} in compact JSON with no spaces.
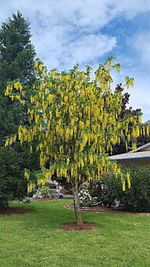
{"x":76,"y":122}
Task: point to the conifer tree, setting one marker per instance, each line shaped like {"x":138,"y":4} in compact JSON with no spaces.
{"x":16,"y":63}
{"x":16,"y":51}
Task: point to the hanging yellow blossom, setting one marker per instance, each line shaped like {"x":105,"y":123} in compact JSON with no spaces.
{"x":75,"y":121}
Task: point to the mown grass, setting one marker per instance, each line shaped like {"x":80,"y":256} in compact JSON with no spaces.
{"x":35,"y":239}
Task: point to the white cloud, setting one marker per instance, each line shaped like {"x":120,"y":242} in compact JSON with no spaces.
{"x":89,"y":48}
{"x":140,"y":95}
{"x":141,"y":43}
{"x":63,"y":30}
{"x":86,"y":50}
{"x":66,"y":32}
{"x":131,"y":9}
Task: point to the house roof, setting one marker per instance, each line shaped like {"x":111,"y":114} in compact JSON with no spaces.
{"x":141,"y":153}
{"x":142,"y":147}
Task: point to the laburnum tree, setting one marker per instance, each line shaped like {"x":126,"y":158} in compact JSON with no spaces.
{"x":75,"y":121}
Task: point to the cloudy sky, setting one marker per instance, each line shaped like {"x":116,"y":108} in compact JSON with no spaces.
{"x":66,"y":32}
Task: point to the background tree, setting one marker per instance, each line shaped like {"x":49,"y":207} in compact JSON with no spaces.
{"x":75,"y":122}
{"x":123,"y":147}
{"x":16,"y":62}
{"x":16,"y":51}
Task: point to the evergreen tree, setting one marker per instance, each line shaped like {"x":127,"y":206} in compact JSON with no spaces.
{"x":16,"y":63}
{"x":16,"y":51}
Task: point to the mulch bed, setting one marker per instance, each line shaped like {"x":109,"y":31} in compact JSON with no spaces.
{"x":14,"y":211}
{"x":108,"y":210}
{"x":75,"y":227}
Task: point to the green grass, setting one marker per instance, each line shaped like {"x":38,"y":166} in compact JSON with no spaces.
{"x":35,"y":239}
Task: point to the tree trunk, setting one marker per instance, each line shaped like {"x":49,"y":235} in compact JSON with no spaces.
{"x":76,"y":205}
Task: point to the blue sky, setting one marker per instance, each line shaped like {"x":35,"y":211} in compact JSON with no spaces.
{"x":65,"y":32}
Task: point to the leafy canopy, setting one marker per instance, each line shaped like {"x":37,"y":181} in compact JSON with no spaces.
{"x":75,"y":121}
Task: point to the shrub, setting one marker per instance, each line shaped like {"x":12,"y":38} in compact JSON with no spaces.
{"x":45,"y":191}
{"x":136,"y":199}
{"x":12,"y":182}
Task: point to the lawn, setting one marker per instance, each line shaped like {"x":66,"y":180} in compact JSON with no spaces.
{"x":35,"y":239}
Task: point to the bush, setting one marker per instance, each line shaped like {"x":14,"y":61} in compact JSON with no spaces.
{"x":12,"y":184}
{"x":136,"y":199}
{"x":45,"y":191}
{"x":12,"y":163}
{"x":85,"y":199}
{"x":106,"y":191}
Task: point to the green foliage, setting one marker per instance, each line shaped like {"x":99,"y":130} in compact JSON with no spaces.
{"x":44,"y":191}
{"x":12,"y":163}
{"x":12,"y":184}
{"x":107,"y":190}
{"x":16,"y":62}
{"x":16,"y":51}
{"x":136,"y":199}
{"x":11,"y":115}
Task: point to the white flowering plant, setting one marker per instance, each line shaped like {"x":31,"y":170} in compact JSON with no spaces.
{"x":85,"y":199}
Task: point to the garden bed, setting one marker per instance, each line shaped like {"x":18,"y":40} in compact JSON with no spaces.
{"x":75,"y":227}
{"x":14,"y":211}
